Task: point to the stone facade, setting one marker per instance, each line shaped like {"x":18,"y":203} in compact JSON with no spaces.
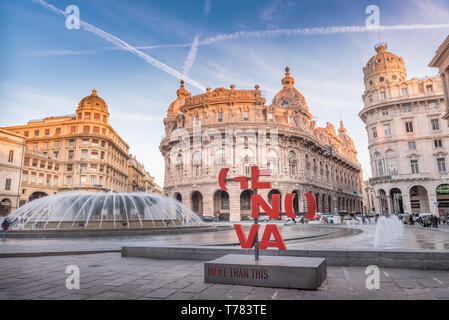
{"x":441,"y":61}
{"x":235,"y":129}
{"x":407,"y":140}
{"x":80,"y":151}
{"x":12,"y":148}
{"x":136,"y":176}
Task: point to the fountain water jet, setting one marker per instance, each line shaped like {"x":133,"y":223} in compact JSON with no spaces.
{"x":78,"y":210}
{"x":388,"y":231}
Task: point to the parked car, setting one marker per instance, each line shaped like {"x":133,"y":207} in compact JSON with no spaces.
{"x":330,"y":218}
{"x":209,"y":219}
{"x":292,"y":221}
{"x":263,"y":218}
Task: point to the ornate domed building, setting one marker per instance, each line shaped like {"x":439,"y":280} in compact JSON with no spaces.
{"x":236,"y":129}
{"x":407,"y":140}
{"x":80,"y":151}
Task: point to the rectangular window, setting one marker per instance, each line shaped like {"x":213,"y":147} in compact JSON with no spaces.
{"x":57,"y":143}
{"x":104,"y":131}
{"x":69,"y":167}
{"x":408,"y":126}
{"x":220,"y":116}
{"x":87,"y":115}
{"x":85,"y":142}
{"x":58,"y":130}
{"x":68,"y":180}
{"x":25,"y":176}
{"x":429,"y":89}
{"x":50,"y":166}
{"x":47,"y":132}
{"x":96,"y":130}
{"x":387,"y":130}
{"x":414,"y":166}
{"x":8,"y":184}
{"x":95,"y":142}
{"x":56,"y":166}
{"x":104,"y":118}
{"x":36,"y":133}
{"x":383,"y":95}
{"x":407,"y":108}
{"x":35,"y":163}
{"x":35,"y":146}
{"x":33,"y":177}
{"x":412,"y":145}
{"x":26,"y":133}
{"x":441,"y":164}
{"x":102,"y":155}
{"x":435,"y":124}
{"x":101,"y":180}
{"x":84,"y":153}
{"x":83,"y":180}
{"x":56,"y":154}
{"x":71,"y":143}
{"x":385,"y":112}
{"x":374,"y":132}
{"x":73,"y":129}
{"x":48,"y":180}
{"x":93,"y":180}
{"x":101,"y":168}
{"x":97,"y":116}
{"x":404,"y":91}
{"x":86,"y":129}
{"x":438,"y":143}
{"x":71,"y":154}
{"x":245,"y":115}
{"x":46,"y":145}
{"x":93,"y":167}
{"x":55,"y":180}
{"x":94,"y":154}
{"x":41,"y":178}
{"x":371,"y":98}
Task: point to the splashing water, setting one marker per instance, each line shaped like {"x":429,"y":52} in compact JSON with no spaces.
{"x":84,"y":210}
{"x":388,"y":231}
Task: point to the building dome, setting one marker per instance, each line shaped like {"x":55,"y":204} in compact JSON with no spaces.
{"x":176,"y":105}
{"x":93,"y":101}
{"x":348,"y":143}
{"x":384,"y":67}
{"x":288,"y":96}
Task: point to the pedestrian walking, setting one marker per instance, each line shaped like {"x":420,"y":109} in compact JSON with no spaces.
{"x":5,"y":227}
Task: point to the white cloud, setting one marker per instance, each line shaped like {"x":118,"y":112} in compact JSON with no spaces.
{"x":125,"y":46}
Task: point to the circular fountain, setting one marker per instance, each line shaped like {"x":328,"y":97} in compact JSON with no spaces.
{"x":111,"y":211}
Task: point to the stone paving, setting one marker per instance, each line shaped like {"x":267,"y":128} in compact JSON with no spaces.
{"x":413,"y":239}
{"x":109,"y":276}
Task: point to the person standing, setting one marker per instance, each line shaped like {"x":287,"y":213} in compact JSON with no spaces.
{"x":5,"y":227}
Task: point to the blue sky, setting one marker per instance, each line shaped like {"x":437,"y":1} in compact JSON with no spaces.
{"x":47,"y":69}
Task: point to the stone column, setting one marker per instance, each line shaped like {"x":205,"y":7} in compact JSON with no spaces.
{"x":406,"y":203}
{"x":390,"y":209}
{"x":432,"y":206}
{"x":378,"y":205}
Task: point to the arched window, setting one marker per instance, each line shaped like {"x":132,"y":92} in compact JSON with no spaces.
{"x":11,"y":156}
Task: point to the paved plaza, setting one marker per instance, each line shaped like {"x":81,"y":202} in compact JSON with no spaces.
{"x":110,"y":276}
{"x":413,"y":238}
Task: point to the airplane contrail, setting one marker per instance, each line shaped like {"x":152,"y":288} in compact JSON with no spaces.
{"x":191,"y":56}
{"x":123,"y":45}
{"x":299,"y":32}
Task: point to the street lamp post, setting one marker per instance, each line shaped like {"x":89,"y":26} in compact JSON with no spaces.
{"x":331,"y":154}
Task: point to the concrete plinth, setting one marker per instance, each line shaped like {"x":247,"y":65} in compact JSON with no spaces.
{"x":269,"y":271}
